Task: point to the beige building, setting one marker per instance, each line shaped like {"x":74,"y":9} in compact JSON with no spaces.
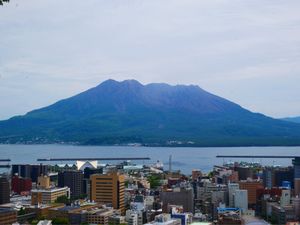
{"x":46,"y":196}
{"x":43,"y":182}
{"x":99,"y":216}
{"x":108,"y":189}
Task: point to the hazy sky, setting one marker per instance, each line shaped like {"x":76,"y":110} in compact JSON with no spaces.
{"x":246,"y":51}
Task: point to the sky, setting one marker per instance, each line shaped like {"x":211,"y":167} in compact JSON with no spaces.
{"x":247,"y":51}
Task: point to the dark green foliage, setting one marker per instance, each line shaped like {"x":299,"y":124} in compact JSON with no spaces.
{"x":117,"y":113}
{"x":21,"y":212}
{"x":60,"y":221}
{"x":63,"y":199}
{"x":154,"y":181}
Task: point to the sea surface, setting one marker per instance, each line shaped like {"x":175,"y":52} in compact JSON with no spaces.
{"x":184,"y":159}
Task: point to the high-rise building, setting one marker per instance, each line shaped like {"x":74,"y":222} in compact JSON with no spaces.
{"x":296,"y":163}
{"x":232,"y":187}
{"x":90,"y":171}
{"x":251,"y":186}
{"x":284,"y":174}
{"x":178,"y":196}
{"x":29,"y":171}
{"x":268,"y":177}
{"x":73,"y":180}
{"x":86,"y":178}
{"x":108,"y":189}
{"x":19,"y":184}
{"x":4,"y":190}
{"x":241,"y":199}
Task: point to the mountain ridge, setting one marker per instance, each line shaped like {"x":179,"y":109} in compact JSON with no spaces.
{"x":155,"y":114}
{"x":292,"y":119}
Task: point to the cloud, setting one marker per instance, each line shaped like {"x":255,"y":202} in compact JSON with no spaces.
{"x":51,"y":50}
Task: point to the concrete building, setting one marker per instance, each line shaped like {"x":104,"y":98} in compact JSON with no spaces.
{"x":245,"y":172}
{"x":4,"y":190}
{"x":232,"y":187}
{"x":134,"y":215}
{"x":73,"y":180}
{"x":43,"y":182}
{"x":116,"y":219}
{"x":283,"y":214}
{"x":268,"y":177}
{"x":196,"y":174}
{"x":99,"y":216}
{"x":7,"y":216}
{"x":241,"y":199}
{"x":165,"y":219}
{"x":19,"y":184}
{"x":47,"y":196}
{"x":132,"y":218}
{"x":30,"y":171}
{"x":296,"y":163}
{"x":86,"y":178}
{"x":285,"y":198}
{"x":296,"y":204}
{"x":108,"y":189}
{"x":251,"y":186}
{"x":178,"y":196}
{"x":284,"y":174}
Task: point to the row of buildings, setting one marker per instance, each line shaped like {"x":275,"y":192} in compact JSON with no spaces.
{"x":236,"y":193}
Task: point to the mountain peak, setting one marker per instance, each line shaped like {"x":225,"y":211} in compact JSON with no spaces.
{"x":118,"y":112}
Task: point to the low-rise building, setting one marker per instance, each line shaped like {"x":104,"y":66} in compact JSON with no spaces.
{"x":165,"y":219}
{"x":7,"y":216}
{"x":46,"y":196}
{"x":100,"y":216}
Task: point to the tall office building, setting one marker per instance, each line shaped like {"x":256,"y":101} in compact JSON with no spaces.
{"x":268,"y":177}
{"x":232,"y":187}
{"x":4,"y":190}
{"x":72,"y":179}
{"x":284,"y":174}
{"x":29,"y":171}
{"x":86,"y":178}
{"x":241,"y":199}
{"x":251,"y":186}
{"x":108,"y":189}
{"x":296,"y":163}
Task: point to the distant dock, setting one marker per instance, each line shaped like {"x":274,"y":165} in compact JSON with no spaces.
{"x":91,"y":159}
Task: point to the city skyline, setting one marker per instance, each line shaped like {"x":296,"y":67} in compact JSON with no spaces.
{"x":247,"y":52}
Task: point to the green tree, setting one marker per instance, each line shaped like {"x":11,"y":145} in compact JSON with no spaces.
{"x":21,"y":212}
{"x":63,"y":199}
{"x":60,"y":221}
{"x":154,"y":181}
